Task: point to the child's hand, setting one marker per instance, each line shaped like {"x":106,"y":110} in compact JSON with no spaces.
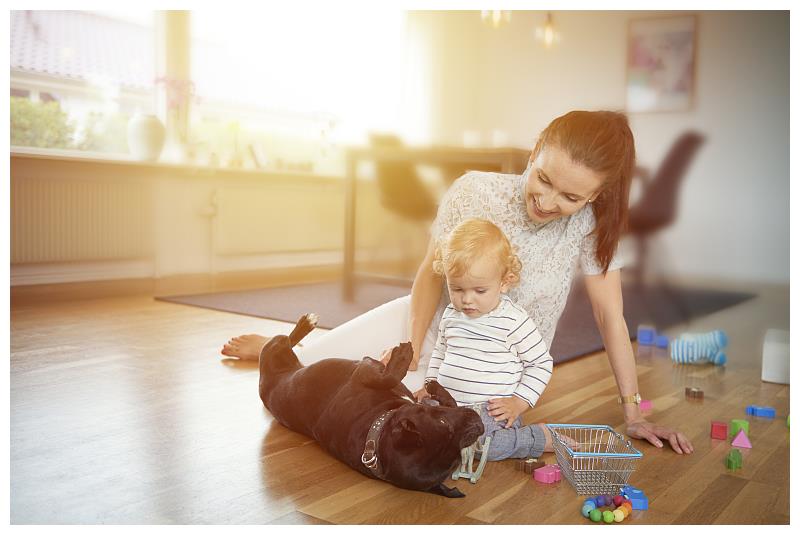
{"x":421,"y":394}
{"x":507,"y":409}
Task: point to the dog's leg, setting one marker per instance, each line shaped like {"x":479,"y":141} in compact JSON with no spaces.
{"x":438,"y":393}
{"x":373,"y":374}
{"x":441,"y":490}
{"x":304,"y":326}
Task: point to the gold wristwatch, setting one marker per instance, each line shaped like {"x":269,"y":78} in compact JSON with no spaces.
{"x":635,"y":398}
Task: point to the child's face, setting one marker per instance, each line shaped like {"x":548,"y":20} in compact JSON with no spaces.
{"x":478,"y":290}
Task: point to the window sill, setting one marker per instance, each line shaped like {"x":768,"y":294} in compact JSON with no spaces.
{"x":101,"y":158}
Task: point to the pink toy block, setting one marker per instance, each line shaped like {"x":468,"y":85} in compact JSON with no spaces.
{"x":741,"y":440}
{"x":549,"y":473}
{"x":645,"y":405}
{"x":719,"y":430}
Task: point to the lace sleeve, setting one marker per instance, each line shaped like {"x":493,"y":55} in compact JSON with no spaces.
{"x":588,"y":257}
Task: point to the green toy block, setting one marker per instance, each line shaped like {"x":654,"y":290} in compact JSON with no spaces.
{"x":739,"y":424}
{"x":733,"y":461}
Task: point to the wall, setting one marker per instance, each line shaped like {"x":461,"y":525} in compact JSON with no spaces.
{"x":734,"y":206}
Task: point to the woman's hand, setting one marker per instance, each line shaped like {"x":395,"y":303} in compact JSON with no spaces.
{"x":652,"y":433}
{"x":507,"y":409}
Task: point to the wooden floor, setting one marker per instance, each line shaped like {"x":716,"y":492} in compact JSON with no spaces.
{"x":123,"y":412}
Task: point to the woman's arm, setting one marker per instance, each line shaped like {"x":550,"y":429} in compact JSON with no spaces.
{"x":425,"y":295}
{"x":605,"y":294}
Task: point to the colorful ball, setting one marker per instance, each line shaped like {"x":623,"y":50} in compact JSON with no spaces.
{"x":600,"y":501}
{"x":619,"y":516}
{"x":595,"y":515}
{"x":618,"y":500}
{"x":590,"y":501}
{"x":628,"y":507}
{"x":586,"y":509}
{"x":608,"y":517}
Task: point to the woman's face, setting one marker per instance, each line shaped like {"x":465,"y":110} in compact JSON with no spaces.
{"x":557,"y":186}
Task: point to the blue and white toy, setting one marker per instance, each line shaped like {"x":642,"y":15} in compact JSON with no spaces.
{"x":700,"y":348}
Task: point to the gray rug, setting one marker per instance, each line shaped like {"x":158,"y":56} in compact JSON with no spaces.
{"x":576,"y":333}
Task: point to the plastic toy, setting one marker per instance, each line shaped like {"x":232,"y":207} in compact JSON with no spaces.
{"x":763,"y":412}
{"x":622,"y":509}
{"x":693,"y":393}
{"x":699,"y":348}
{"x":733,"y":461}
{"x":662,"y":341}
{"x":468,"y":457}
{"x":775,"y":357}
{"x":645,"y":335}
{"x":741,"y":440}
{"x":645,"y":405}
{"x":719,"y":430}
{"x":549,"y":473}
{"x":637,"y":498}
{"x":595,"y":515}
{"x":736,"y":425}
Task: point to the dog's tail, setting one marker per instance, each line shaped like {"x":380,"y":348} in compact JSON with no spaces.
{"x":304,"y":326}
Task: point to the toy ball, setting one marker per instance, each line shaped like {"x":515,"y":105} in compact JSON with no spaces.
{"x":608,"y":517}
{"x":618,"y":500}
{"x":600,"y":500}
{"x":619,"y":516}
{"x":586,"y":509}
{"x":590,"y":501}
{"x":595,"y":515}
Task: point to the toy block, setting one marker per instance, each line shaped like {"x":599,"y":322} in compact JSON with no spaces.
{"x":693,"y":393}
{"x":733,"y":461}
{"x":662,"y":341}
{"x":646,"y":336}
{"x":549,"y":473}
{"x":528,"y":465}
{"x":645,"y":405}
{"x":741,"y":440}
{"x":765,"y":412}
{"x":719,"y":430}
{"x":750,"y":410}
{"x":636,"y":496}
{"x":736,"y":425}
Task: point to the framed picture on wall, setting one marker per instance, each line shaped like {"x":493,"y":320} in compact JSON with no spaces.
{"x":661,"y":64}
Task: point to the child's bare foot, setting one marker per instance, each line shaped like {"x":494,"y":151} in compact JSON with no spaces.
{"x":548,"y":437}
{"x":245,"y":347}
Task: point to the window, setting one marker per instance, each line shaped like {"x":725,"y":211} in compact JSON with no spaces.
{"x":78,"y":76}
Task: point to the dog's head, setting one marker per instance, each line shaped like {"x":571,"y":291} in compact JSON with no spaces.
{"x":421,"y":444}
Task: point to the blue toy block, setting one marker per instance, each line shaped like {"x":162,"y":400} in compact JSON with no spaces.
{"x":646,"y":336}
{"x":763,"y":412}
{"x":662,"y":341}
{"x":636,"y":496}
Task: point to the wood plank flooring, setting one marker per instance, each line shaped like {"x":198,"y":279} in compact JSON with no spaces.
{"x":122,"y":411}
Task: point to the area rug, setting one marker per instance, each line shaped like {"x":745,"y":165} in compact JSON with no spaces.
{"x":576,"y":333}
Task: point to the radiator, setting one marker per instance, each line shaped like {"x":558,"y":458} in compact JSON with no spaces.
{"x":79,"y":220}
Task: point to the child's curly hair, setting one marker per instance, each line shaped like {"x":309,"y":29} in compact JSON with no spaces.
{"x":473,"y":239}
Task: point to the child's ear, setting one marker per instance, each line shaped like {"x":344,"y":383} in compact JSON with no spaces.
{"x":508,"y":280}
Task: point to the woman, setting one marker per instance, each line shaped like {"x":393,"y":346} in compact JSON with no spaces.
{"x":568,"y":208}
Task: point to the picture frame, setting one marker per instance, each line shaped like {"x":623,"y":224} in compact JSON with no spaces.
{"x":661,"y":64}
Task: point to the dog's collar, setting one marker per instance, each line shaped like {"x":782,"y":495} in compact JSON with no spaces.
{"x":370,"y":455}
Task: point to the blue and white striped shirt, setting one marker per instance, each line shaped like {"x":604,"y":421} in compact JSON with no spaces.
{"x":499,"y":354}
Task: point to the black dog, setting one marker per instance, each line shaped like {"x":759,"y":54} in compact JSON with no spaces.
{"x":363,"y":415}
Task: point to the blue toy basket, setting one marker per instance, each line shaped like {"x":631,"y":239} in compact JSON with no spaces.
{"x":594,"y":458}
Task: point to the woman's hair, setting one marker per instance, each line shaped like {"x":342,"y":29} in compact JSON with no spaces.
{"x":473,"y":239}
{"x":601,"y":141}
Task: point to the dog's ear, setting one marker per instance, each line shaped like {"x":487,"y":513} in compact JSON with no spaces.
{"x":439,"y":394}
{"x":405,"y":435}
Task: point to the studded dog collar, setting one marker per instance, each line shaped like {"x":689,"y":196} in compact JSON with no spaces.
{"x":370,"y":455}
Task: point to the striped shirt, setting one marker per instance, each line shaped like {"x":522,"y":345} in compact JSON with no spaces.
{"x":499,"y":354}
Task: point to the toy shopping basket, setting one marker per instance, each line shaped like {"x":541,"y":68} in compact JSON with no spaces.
{"x":595,"y":458}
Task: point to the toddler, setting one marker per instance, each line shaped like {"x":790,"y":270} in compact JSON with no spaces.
{"x":489,"y":354}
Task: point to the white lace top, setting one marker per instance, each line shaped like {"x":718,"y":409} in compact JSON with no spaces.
{"x":550,"y":252}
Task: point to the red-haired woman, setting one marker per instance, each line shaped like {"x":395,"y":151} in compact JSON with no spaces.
{"x":568,"y":209}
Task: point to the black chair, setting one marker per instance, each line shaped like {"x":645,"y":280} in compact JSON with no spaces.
{"x":400,"y":187}
{"x":657,"y":208}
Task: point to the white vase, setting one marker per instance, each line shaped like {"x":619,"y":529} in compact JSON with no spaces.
{"x":145,"y":137}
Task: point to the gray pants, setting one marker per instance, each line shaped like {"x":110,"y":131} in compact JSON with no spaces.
{"x":516,"y":442}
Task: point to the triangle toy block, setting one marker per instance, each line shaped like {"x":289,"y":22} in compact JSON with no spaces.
{"x":741,"y":440}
